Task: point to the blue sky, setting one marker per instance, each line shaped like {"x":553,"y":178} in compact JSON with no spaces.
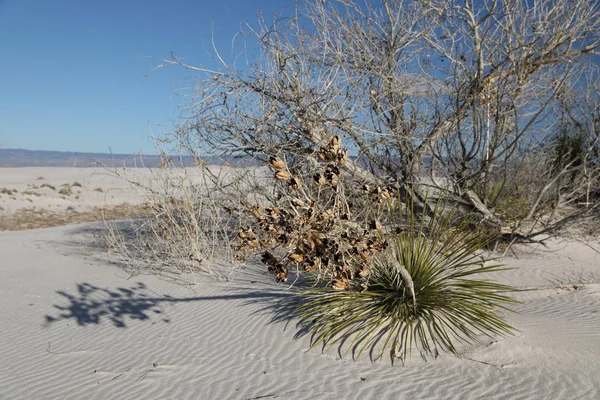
{"x":72,"y":71}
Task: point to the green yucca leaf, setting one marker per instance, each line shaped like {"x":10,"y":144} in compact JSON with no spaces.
{"x":452,"y":302}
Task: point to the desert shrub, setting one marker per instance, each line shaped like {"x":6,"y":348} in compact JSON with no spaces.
{"x":47,"y":185}
{"x":185,"y":231}
{"x":428,"y":292}
{"x":510,"y":199}
{"x":314,"y":224}
{"x":32,"y":193}
{"x":66,"y":191}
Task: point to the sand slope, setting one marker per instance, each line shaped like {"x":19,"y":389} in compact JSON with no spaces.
{"x":73,"y":327}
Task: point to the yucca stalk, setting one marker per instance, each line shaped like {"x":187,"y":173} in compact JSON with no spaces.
{"x":427,"y":293}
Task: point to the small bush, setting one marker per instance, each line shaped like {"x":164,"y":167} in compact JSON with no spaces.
{"x":427,"y":292}
{"x":65,"y":191}
{"x":76,"y":184}
{"x":8,"y":191}
{"x":46,"y":185}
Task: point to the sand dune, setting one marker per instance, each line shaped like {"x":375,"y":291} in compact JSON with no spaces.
{"x":74,"y":326}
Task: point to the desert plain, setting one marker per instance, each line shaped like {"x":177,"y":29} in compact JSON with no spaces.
{"x":75,"y":325}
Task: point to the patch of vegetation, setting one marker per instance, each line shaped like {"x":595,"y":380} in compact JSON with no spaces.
{"x":99,"y":190}
{"x":8,"y":191}
{"x":46,"y":185}
{"x":32,"y":193}
{"x":65,"y":191}
{"x":427,"y":293}
{"x":76,"y":184}
{"x":41,"y":218}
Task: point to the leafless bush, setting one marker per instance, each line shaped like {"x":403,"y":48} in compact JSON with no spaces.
{"x":186,"y":230}
{"x":466,"y":92}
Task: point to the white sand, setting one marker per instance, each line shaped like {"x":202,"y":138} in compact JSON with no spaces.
{"x":94,"y":187}
{"x":75,"y":326}
{"x":99,"y":187}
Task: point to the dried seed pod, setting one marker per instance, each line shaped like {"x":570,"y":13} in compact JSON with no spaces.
{"x":374,"y":225}
{"x":312,"y":264}
{"x":366,"y":189}
{"x":267,"y":243}
{"x":319,"y":179}
{"x":282,"y":175}
{"x":273,"y":212}
{"x":385,"y":194}
{"x":294,"y":184}
{"x":262,"y":222}
{"x":253,"y":244}
{"x":327,"y":214}
{"x":297,"y":203}
{"x":272,"y":230}
{"x":327,"y":155}
{"x":269,"y":259}
{"x":334,"y":143}
{"x":365,"y":256}
{"x":364,"y":272}
{"x":334,"y":180}
{"x":256,"y":211}
{"x":342,"y":157}
{"x":296,"y":256}
{"x":340,"y":284}
{"x":250,"y":234}
{"x":277,"y":163}
{"x":332,"y":175}
{"x":286,"y":241}
{"x":315,"y":239}
{"x":376,"y":245}
{"x":279,"y":272}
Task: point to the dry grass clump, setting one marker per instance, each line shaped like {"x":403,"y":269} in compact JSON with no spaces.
{"x":66,"y":191}
{"x":41,"y":218}
{"x":9,"y":192}
{"x":184,"y":232}
{"x":32,"y":193}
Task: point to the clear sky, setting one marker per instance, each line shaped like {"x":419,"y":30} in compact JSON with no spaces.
{"x":72,"y":71}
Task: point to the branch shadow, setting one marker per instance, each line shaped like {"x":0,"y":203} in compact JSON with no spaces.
{"x":91,"y":305}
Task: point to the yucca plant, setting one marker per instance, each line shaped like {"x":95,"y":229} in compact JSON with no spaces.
{"x":427,"y":292}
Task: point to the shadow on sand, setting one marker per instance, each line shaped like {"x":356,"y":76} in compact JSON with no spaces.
{"x":90,"y":304}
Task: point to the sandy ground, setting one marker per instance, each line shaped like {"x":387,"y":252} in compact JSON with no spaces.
{"x":75,"y":326}
{"x":62,"y":188}
{"x":40,"y":197}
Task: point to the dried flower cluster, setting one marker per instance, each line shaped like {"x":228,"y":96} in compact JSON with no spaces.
{"x":313,"y":227}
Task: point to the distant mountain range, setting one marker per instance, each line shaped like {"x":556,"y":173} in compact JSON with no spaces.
{"x":42,"y":158}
